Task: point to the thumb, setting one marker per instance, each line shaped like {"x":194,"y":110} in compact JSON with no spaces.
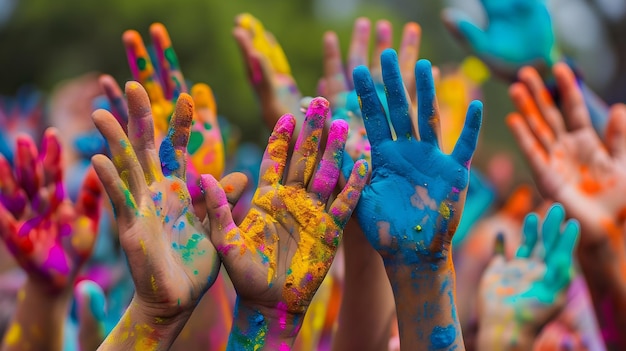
{"x":91,"y":311}
{"x":219,"y":217}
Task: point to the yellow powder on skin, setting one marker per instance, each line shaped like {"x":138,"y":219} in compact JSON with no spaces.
{"x":444,"y":210}
{"x":153,"y":283}
{"x":13,"y":335}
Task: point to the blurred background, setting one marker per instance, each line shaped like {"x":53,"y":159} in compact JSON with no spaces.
{"x":45,"y":42}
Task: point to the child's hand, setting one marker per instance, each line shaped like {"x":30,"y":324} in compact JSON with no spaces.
{"x":518,"y":33}
{"x":569,"y":161}
{"x":50,"y":237}
{"x":414,"y":202}
{"x":338,"y":86}
{"x":280,"y":253}
{"x":525,"y":293}
{"x":268,"y":69}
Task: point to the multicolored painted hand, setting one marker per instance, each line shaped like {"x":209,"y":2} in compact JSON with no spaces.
{"x":569,"y":161}
{"x":164,"y":82}
{"x":50,"y":237}
{"x":268,"y":70}
{"x":417,"y":228}
{"x":413,"y":232}
{"x":337,"y":83}
{"x":278,"y":256}
{"x":518,"y":297}
{"x":171,"y":260}
{"x":518,"y":33}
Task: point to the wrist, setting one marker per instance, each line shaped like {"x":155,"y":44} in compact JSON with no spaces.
{"x":425,"y":304}
{"x":257,"y":327}
{"x":141,"y":328}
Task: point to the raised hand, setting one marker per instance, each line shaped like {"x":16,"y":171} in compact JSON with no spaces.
{"x":172,"y":262}
{"x":412,"y":206}
{"x":572,"y":165}
{"x":337,"y":83}
{"x":518,"y":33}
{"x":91,"y":314}
{"x":522,"y":295}
{"x":164,"y":82}
{"x":278,"y":256}
{"x":268,"y":69}
{"x":49,"y":236}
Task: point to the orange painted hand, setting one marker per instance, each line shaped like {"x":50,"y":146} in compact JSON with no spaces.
{"x":268,"y":69}
{"x":279,"y":255}
{"x":570,"y":163}
{"x":172,"y":262}
{"x":50,"y":237}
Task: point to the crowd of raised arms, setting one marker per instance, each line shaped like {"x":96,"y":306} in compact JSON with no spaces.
{"x":362,"y":226}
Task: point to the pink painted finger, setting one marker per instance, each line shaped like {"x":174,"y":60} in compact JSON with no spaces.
{"x":8,"y":224}
{"x":116,"y":99}
{"x":341,"y":209}
{"x":327,"y":174}
{"x":29,"y":171}
{"x":11,"y":196}
{"x":170,"y":74}
{"x":88,"y":208}
{"x":276,"y":152}
{"x":53,"y":168}
{"x":173,"y":151}
{"x":218,"y":208}
{"x":141,"y":131}
{"x":359,"y":46}
{"x":306,"y":149}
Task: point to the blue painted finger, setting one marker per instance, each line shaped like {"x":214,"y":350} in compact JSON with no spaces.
{"x":372,"y":110}
{"x":427,"y":114}
{"x":396,"y":95}
{"x":530,"y":233}
{"x":465,"y":146}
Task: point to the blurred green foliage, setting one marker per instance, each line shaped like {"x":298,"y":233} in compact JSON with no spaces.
{"x":45,"y":42}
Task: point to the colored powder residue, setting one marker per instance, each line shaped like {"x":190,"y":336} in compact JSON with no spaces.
{"x":255,"y":225}
{"x":444,"y":210}
{"x":13,"y":335}
{"x":587,"y":183}
{"x":153,"y":283}
{"x":253,"y":338}
{"x":190,"y":249}
{"x":442,"y":337}
{"x":167,"y":154}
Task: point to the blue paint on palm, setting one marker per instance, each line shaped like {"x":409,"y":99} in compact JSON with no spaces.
{"x":518,"y":33}
{"x":406,"y":209}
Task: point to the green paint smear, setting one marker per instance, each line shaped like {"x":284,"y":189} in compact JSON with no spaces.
{"x":195,"y":141}
{"x":188,"y":251}
{"x":142,"y":63}
{"x":170,"y":56}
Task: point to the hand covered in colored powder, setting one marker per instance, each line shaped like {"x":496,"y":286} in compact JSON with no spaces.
{"x":519,"y":296}
{"x":337,"y":83}
{"x":412,"y":206}
{"x":268,"y":69}
{"x":569,"y":161}
{"x":50,"y":236}
{"x":164,"y":82}
{"x":518,"y":33}
{"x":418,"y":228}
{"x":279,"y":255}
{"x":172,"y":261}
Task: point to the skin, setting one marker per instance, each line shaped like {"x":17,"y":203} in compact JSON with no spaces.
{"x":518,"y":297}
{"x":363,"y":325}
{"x":268,"y":70}
{"x":572,"y":165}
{"x":91,"y":312}
{"x":49,"y":236}
{"x":172,"y":262}
{"x":280,"y":253}
{"x":519,"y":33}
{"x":413,"y":235}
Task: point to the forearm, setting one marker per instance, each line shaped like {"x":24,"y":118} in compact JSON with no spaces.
{"x":604,"y":267}
{"x":38,"y":321}
{"x":425,"y":304}
{"x":138,"y":330}
{"x":367,"y":307}
{"x":261,"y":328}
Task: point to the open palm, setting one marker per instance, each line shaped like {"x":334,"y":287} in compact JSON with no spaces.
{"x":419,"y":226}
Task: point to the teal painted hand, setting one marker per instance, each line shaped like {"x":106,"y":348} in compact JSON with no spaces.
{"x":518,"y":33}
{"x":412,"y":207}
{"x":527,"y":291}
